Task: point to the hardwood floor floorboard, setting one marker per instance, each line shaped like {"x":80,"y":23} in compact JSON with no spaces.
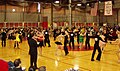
{"x":60,"y":62}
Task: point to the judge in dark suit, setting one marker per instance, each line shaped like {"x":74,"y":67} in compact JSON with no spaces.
{"x":33,"y":51}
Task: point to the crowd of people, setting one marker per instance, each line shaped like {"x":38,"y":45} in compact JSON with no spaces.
{"x":63,"y":38}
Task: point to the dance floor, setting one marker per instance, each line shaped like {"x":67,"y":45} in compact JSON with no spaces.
{"x":75,"y":59}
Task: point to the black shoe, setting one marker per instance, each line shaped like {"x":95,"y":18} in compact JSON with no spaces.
{"x":92,"y":60}
{"x":66,"y":53}
{"x":35,"y":68}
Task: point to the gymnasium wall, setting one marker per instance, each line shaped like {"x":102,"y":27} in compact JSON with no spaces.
{"x":31,"y":16}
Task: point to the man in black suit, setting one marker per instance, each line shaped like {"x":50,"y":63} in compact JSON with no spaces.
{"x":4,"y":36}
{"x":71,"y":34}
{"x":33,"y":50}
{"x":97,"y":47}
{"x":54,"y":34}
{"x":29,"y":36}
{"x":87,"y":42}
{"x":65,"y":43}
{"x":47,"y":40}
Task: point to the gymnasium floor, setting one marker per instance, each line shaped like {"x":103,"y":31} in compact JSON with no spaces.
{"x":61,"y":62}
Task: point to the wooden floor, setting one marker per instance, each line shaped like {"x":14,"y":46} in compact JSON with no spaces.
{"x":61,"y":62}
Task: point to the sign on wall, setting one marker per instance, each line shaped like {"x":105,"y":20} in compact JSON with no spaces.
{"x":108,"y":8}
{"x":94,"y":10}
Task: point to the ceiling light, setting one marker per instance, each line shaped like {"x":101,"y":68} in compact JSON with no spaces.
{"x":13,"y":10}
{"x":99,"y":1}
{"x":88,"y":4}
{"x":57,"y":1}
{"x":79,"y":4}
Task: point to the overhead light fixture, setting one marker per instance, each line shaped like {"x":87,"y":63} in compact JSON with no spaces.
{"x":99,"y":1}
{"x":88,"y":4}
{"x":39,"y":7}
{"x":13,"y":10}
{"x":57,"y":2}
{"x":79,"y":4}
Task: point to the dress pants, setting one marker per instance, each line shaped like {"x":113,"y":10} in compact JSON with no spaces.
{"x":71,"y":41}
{"x":3,"y":42}
{"x":87,"y":44}
{"x":65,"y":48}
{"x":96,"y":47}
{"x":33,"y":60}
{"x":47,"y":40}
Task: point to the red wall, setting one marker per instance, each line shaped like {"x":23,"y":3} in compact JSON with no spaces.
{"x":20,"y":25}
{"x":1,"y":24}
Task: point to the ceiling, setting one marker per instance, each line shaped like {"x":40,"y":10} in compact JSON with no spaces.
{"x":16,"y":2}
{"x":62,"y":2}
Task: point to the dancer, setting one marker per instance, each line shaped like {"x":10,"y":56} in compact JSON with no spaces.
{"x":71,"y":34}
{"x":117,"y":41}
{"x":101,"y":43}
{"x":47,"y":40}
{"x":87,"y":42}
{"x":78,"y":34}
{"x":65,"y":43}
{"x":40,"y":39}
{"x":32,"y":42}
{"x":17,"y":40}
{"x":59,"y":43}
{"x":54,"y":34}
{"x":81,"y":39}
{"x":97,"y":47}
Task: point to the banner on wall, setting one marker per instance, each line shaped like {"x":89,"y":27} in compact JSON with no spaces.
{"x":94,"y":10}
{"x":108,"y":8}
{"x":31,"y":8}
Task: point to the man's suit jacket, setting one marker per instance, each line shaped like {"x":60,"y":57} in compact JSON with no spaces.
{"x":4,"y":36}
{"x":33,"y":47}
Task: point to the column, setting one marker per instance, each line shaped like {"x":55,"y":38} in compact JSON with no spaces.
{"x":70,"y":14}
